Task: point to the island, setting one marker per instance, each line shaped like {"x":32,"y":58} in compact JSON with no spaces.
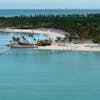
{"x":67,"y":32}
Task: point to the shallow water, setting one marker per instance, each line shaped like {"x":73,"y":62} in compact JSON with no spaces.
{"x":5,"y":39}
{"x":27,"y":74}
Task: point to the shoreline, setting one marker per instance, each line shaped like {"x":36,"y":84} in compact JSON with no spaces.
{"x":61,"y":48}
{"x":74,"y":47}
{"x":53,"y":35}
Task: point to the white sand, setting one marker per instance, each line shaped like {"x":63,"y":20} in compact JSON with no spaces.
{"x":67,"y":46}
{"x":53,"y":35}
{"x":73,"y":47}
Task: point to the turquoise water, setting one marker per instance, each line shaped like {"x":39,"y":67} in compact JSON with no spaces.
{"x":16,"y":12}
{"x":27,"y":74}
{"x":5,"y":38}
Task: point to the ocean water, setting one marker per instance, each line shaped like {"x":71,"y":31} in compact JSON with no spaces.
{"x":5,"y":39}
{"x":18,"y":12}
{"x":28,"y":74}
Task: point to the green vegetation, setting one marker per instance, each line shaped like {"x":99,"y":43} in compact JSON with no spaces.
{"x":79,"y":26}
{"x":15,"y":39}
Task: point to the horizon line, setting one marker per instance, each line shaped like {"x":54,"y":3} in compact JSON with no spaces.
{"x":49,"y":8}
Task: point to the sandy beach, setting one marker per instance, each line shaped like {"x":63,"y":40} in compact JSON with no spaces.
{"x":72,"y":47}
{"x":54,"y":35}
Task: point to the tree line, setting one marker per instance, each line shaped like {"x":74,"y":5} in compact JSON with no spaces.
{"x":79,"y":26}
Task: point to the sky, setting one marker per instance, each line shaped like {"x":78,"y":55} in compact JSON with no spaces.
{"x":49,"y":4}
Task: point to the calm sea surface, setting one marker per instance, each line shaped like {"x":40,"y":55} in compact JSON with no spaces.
{"x":9,"y":13}
{"x":28,"y":74}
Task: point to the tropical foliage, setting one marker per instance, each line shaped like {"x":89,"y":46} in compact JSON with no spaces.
{"x":79,"y":26}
